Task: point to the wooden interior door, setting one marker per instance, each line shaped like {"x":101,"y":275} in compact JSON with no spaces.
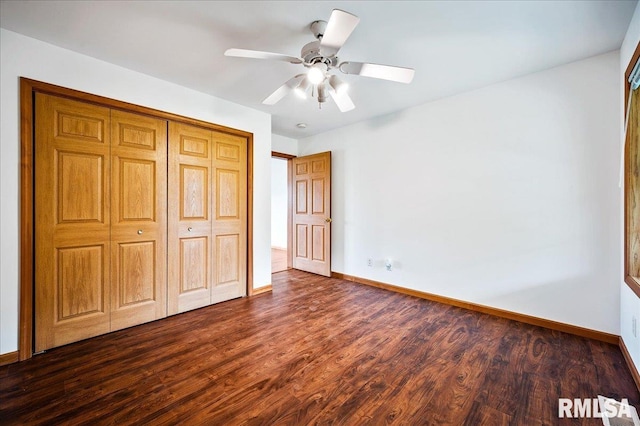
{"x":138,"y":219}
{"x":72,"y":221}
{"x":230,"y":217}
{"x":190,"y":222}
{"x":312,"y":213}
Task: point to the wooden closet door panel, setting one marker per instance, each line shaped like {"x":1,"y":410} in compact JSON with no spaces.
{"x":138,"y":219}
{"x":230,"y":220}
{"x":72,"y":202}
{"x":190,"y":223}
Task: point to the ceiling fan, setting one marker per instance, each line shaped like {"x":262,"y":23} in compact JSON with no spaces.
{"x":319,"y":57}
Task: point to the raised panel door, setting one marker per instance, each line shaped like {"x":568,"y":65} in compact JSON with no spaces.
{"x":230,"y":217}
{"x":190,"y":221}
{"x":138,"y":219}
{"x":72,"y":201}
{"x":312,"y":213}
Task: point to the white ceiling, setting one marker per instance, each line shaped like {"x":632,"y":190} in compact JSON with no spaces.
{"x":454,"y":46}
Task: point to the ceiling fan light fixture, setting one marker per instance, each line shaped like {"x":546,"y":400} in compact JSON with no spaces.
{"x":322,"y":93}
{"x":301,"y":89}
{"x":316,"y":73}
{"x":338,"y":85}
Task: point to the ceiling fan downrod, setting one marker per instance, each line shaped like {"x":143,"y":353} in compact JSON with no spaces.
{"x":318,"y":28}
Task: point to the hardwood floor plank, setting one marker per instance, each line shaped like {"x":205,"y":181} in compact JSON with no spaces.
{"x":316,"y":351}
{"x":278,"y":259}
{"x":483,"y":415}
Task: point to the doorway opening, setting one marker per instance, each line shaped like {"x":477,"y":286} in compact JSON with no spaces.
{"x":301,"y":213}
{"x":280,"y":212}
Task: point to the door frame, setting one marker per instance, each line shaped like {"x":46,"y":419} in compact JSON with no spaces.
{"x":290,"y":189}
{"x":633,"y":284}
{"x":28,"y":89}
{"x":289,"y":158}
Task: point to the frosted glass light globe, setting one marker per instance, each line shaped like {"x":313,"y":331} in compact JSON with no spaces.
{"x":316,"y":73}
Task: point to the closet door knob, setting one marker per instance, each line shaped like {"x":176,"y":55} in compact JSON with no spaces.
{"x":139,"y":231}
{"x":189,"y":229}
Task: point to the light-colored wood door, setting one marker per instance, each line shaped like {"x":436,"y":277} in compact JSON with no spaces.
{"x":138,"y":219}
{"x":312,"y":213}
{"x":229,"y":206}
{"x":190,"y":221}
{"x":72,"y":221}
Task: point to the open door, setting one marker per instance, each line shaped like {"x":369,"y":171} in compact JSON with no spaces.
{"x":312,"y":213}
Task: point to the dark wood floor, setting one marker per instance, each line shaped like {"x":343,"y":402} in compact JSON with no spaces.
{"x":316,"y":351}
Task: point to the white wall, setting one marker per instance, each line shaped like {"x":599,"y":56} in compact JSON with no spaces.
{"x":506,"y":196}
{"x":629,"y":302}
{"x":27,"y":57}
{"x":279,"y":202}
{"x":284,"y":145}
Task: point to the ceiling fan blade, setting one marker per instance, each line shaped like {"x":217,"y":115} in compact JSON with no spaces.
{"x":340,"y":26}
{"x":283,"y":90}
{"x":256,"y":54}
{"x":384,"y":72}
{"x":343,"y":101}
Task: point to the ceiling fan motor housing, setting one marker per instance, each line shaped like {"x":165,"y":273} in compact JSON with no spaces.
{"x":311,"y":53}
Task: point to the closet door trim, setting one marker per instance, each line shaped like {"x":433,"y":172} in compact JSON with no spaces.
{"x":28,"y":88}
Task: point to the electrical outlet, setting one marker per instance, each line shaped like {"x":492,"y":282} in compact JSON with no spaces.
{"x":387,"y":264}
{"x":370,"y":262}
{"x":634,"y":326}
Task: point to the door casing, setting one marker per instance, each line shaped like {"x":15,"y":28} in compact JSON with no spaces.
{"x":291,"y":159}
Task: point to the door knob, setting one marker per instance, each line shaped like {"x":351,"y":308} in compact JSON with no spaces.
{"x":189,"y":229}
{"x":139,"y":231}
{"x":328,"y":220}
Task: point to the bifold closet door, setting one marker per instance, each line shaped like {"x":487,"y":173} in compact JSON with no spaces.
{"x":100,"y":220}
{"x":190,"y":224}
{"x":207,"y":217}
{"x":230,"y":217}
{"x":72,"y":221}
{"x":123,"y":201}
{"x":138,"y":219}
